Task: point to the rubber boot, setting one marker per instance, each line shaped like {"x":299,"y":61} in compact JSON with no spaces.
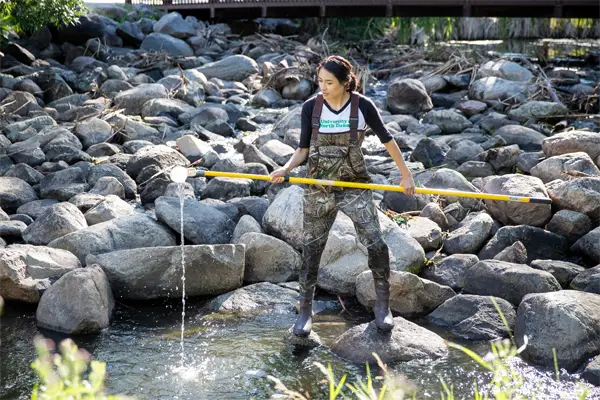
{"x":383,"y":315}
{"x":303,"y":324}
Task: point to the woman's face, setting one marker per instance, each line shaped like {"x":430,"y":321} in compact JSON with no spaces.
{"x":329,"y":85}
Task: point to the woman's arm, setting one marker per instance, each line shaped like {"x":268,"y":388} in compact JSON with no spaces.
{"x":407,"y":181}
{"x":297,"y":158}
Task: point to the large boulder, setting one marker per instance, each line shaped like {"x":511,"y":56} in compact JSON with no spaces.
{"x":410,"y":296}
{"x":264,"y":296}
{"x":80,"y":302}
{"x":563,"y":271}
{"x":449,"y":121}
{"x":534,"y":109}
{"x":445,"y":178}
{"x":506,"y":280}
{"x":565,"y":167}
{"x":133,"y":100}
{"x":59,"y":220}
{"x":589,"y":245}
{"x":407,"y":341}
{"x":451,"y":270}
{"x":284,"y":216}
{"x":516,"y":213}
{"x":494,"y":88}
{"x":174,"y":25}
{"x":528,"y":139}
{"x":579,"y":194}
{"x":156,"y":272}
{"x":160,"y":42}
{"x":64,"y":184}
{"x":568,"y":321}
{"x":26,"y":271}
{"x":15,"y":192}
{"x":425,"y":231}
{"x":161,"y":156}
{"x":475,"y":317}
{"x":109,"y":208}
{"x":470,"y":235}
{"x":408,"y":96}
{"x":232,"y":68}
{"x":540,"y":244}
{"x":202,"y":224}
{"x":505,"y":69}
{"x":97,"y":172}
{"x":269,"y":259}
{"x":572,"y":142}
{"x":129,"y":232}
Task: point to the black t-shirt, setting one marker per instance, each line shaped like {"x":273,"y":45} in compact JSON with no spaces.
{"x":339,"y":121}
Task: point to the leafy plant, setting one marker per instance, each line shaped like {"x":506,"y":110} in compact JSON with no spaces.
{"x":29,"y":15}
{"x":61,"y":375}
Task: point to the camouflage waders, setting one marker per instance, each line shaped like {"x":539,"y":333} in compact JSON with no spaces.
{"x":338,"y":156}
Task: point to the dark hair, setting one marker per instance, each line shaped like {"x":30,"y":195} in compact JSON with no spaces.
{"x":342,"y":70}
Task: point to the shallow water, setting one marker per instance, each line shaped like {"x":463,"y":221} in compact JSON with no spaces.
{"x":229,"y":358}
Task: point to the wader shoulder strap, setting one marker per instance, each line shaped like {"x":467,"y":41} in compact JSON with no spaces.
{"x":316,"y":116}
{"x":354,"y":116}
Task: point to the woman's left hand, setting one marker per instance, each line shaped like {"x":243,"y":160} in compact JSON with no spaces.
{"x":408,"y":184}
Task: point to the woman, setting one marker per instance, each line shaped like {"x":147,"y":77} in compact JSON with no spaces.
{"x":333,"y":126}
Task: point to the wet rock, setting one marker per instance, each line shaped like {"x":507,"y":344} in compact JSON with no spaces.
{"x":589,"y":244}
{"x":474,"y":317}
{"x":15,"y":192}
{"x":128,"y":232}
{"x":570,"y":224}
{"x":579,"y":194}
{"x":408,"y":96}
{"x":264,"y":296}
{"x":507,"y":280}
{"x":565,"y":167}
{"x":60,"y":307}
{"x":311,"y":341}
{"x":407,"y":341}
{"x":166,"y":43}
{"x":564,"y":272}
{"x":111,"y":207}
{"x":451,"y":270}
{"x":426,"y":232}
{"x":410,"y":296}
{"x":269,"y":259}
{"x":202,"y":224}
{"x":515,"y":213}
{"x":568,"y":321}
{"x":571,"y":142}
{"x":150,"y":273}
{"x":534,"y":110}
{"x":516,"y":253}
{"x":57,"y":221}
{"x":232,"y":68}
{"x":470,"y":235}
{"x":449,"y":121}
{"x":527,"y":138}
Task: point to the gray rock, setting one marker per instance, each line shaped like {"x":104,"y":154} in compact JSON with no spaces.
{"x":133,"y":100}
{"x":174,"y":25}
{"x":428,"y":152}
{"x":160,"y":42}
{"x":475,"y":317}
{"x":507,"y":280}
{"x":445,"y":178}
{"x":58,"y":220}
{"x":527,"y":160}
{"x":407,"y":341}
{"x":568,"y":321}
{"x":3,"y":216}
{"x":425,"y":231}
{"x":516,"y":213}
{"x":572,"y":142}
{"x":475,"y":169}
{"x":564,"y":272}
{"x":472,"y":107}
{"x":410,"y":296}
{"x":232,"y":68}
{"x":505,"y":69}
{"x":464,"y":151}
{"x":98,"y":172}
{"x":12,"y":228}
{"x":161,"y":156}
{"x":269,"y":259}
{"x":300,"y":90}
{"x":494,"y":88}
{"x":589,"y":244}
{"x":202,"y":224}
{"x":516,"y":253}
{"x":64,"y":184}
{"x":93,"y":131}
{"x":108,"y":185}
{"x":195,"y":149}
{"x":20,"y":103}
{"x":418,"y":128}
{"x":37,"y":123}
{"x":534,"y":110}
{"x":150,"y":273}
{"x":36,"y":208}
{"x":283,"y":219}
{"x":565,"y":167}
{"x":226,"y":188}
{"x":408,"y":96}
{"x":15,"y":192}
{"x":451,"y":270}
{"x":570,"y":224}
{"x":470,"y":235}
{"x":591,"y":373}
{"x":80,"y":302}
{"x":540,"y":244}
{"x":502,"y":159}
{"x":85,"y":201}
{"x":109,"y":208}
{"x":26,"y":173}
{"x":434,"y":212}
{"x":277,"y":151}
{"x":311,"y":341}
{"x":580,"y":194}
{"x":157,"y":107}
{"x":264,"y":296}
{"x":245,"y":225}
{"x":584,"y":278}
{"x":449,"y":121}
{"x":527,"y":138}
{"x":128,"y":232}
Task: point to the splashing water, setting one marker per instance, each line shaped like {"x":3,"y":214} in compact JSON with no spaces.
{"x":181,"y":201}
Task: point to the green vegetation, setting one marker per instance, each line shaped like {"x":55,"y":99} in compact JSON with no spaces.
{"x":25,"y":16}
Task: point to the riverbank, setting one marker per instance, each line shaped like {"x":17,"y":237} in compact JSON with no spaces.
{"x":91,"y":128}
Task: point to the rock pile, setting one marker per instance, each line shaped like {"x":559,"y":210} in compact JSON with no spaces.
{"x":93,"y":118}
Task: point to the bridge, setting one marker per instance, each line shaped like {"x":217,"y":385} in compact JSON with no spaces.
{"x":248,"y":9}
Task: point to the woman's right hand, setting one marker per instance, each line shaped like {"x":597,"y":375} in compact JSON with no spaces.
{"x":278,"y":175}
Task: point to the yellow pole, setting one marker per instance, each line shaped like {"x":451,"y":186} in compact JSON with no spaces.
{"x":193,"y":172}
